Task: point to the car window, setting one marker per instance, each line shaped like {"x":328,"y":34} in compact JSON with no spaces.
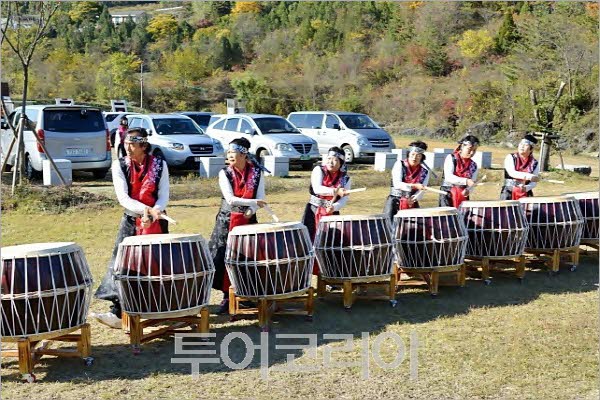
{"x":202,"y":120}
{"x":331,"y":120}
{"x":176,"y":126}
{"x":77,"y":120}
{"x":220,"y":125}
{"x":245,"y":126}
{"x":311,"y":121}
{"x":110,"y":117}
{"x":29,"y":124}
{"x":135,"y":123}
{"x":231,"y":124}
{"x":145,"y":124}
{"x":273,"y":125}
{"x":359,"y":121}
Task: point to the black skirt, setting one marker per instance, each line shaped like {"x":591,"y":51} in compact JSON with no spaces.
{"x":308,"y":219}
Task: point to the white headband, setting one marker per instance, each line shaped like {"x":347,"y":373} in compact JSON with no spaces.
{"x":238,"y":148}
{"x":525,"y":141}
{"x":336,"y":154}
{"x":416,"y":149}
{"x":468,"y":143}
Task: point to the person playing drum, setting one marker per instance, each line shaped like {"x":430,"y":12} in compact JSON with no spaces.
{"x":141,"y":183}
{"x":521,"y":171}
{"x":243,"y":190}
{"x":409,"y":176}
{"x":329,"y":183}
{"x":460,"y":173}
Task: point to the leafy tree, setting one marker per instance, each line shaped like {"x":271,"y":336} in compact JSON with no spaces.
{"x":85,"y":11}
{"x":162,"y":26}
{"x":117,"y":76}
{"x":507,"y":35}
{"x":475,"y":44}
{"x":246,"y":7}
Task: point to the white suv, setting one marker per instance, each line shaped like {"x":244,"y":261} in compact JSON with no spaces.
{"x":76,"y":133}
{"x":355,"y":133}
{"x":177,"y":139}
{"x":268,"y":135}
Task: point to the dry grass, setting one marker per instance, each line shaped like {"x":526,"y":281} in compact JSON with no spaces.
{"x":536,"y":340}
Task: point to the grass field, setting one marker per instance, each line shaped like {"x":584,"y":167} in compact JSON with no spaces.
{"x":529,"y":341}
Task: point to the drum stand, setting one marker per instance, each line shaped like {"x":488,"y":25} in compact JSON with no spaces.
{"x":431,"y":277}
{"x":350,"y":284}
{"x":29,"y":355}
{"x":498,"y":263}
{"x":551,"y":257}
{"x":268,"y":306}
{"x":134,"y":325}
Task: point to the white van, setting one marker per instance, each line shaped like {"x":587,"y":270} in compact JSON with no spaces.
{"x":268,"y":135}
{"x":76,"y":133}
{"x":357,"y":134}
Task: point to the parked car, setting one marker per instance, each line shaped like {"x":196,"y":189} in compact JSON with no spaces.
{"x":177,"y":139}
{"x":268,"y":135}
{"x":75,"y":133}
{"x":357,"y":134}
{"x":202,"y":118}
{"x":113,"y":119}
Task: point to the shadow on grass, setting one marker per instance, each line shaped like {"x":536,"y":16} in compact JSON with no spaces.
{"x":116,"y":361}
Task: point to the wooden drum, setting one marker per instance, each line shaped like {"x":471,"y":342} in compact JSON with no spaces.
{"x":354,"y":247}
{"x":45,"y":289}
{"x":554,"y":222}
{"x":496,"y":229}
{"x":588,"y":203}
{"x":430,"y":239}
{"x":269,"y":260}
{"x":164,"y":275}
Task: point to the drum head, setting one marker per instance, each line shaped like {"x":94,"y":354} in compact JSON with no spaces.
{"x":546,"y":199}
{"x":161,"y":238}
{"x":584,"y":195}
{"x":39,"y":249}
{"x":490,"y":203}
{"x":355,"y":217}
{"x":252,"y":229}
{"x":426,"y":212}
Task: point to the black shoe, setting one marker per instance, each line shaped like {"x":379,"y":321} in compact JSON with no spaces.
{"x":224,"y":307}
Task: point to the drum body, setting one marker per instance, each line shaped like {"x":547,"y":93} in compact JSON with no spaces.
{"x":163,"y":275}
{"x":588,"y":204}
{"x":554,"y":222}
{"x":430,"y":238}
{"x":354,"y":247}
{"x":46,"y":287}
{"x":495,"y":228}
{"x":269,"y":260}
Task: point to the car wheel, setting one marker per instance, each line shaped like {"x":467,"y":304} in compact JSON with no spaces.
{"x":158,"y":153}
{"x":262,"y":153}
{"x":349,"y":153}
{"x":100,"y":174}
{"x":30,"y":172}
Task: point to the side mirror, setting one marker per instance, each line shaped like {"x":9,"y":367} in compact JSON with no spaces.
{"x":254,"y":132}
{"x":149,"y":132}
{"x":248,"y":132}
{"x":337,"y":126}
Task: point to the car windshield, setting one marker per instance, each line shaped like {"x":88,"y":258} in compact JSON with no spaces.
{"x":271,"y":125}
{"x":77,"y":120}
{"x":358,"y":121}
{"x":176,"y":126}
{"x":201,"y":120}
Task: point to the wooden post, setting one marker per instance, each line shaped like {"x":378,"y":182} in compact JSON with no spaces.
{"x":310,"y":301}
{"x":521,"y":267}
{"x":25,"y":360}
{"x":348,"y":300}
{"x":204,"y":323}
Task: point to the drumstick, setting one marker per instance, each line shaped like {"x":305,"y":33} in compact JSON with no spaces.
{"x":168,"y":219}
{"x":356,"y":190}
{"x":430,"y":189}
{"x":271,"y":213}
{"x":553,"y":181}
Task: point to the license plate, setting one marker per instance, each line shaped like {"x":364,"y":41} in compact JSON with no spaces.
{"x":197,"y":159}
{"x":78,"y":151}
{"x":305,"y":157}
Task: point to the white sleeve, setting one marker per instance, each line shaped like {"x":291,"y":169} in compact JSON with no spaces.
{"x":120,"y":184}
{"x":260,"y":192}
{"x":420,"y":193}
{"x":398,"y":176}
{"x":536,"y":172}
{"x":449,"y":173}
{"x":163,"y":189}
{"x":117,"y":141}
{"x":227,"y":192}
{"x":342,"y":202}
{"x":316,"y":180}
{"x":474,"y":178}
{"x":509,"y":166}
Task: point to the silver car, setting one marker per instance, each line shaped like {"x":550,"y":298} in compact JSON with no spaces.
{"x":75,"y":133}
{"x":177,"y":139}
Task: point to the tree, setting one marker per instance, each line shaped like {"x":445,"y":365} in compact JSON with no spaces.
{"x":246,"y":7}
{"x":475,"y":44}
{"x":85,"y":11}
{"x":507,"y":35}
{"x":116,"y":76}
{"x":162,"y":26}
{"x":23,"y":37}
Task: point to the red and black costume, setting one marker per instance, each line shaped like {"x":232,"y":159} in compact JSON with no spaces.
{"x":518,"y":171}
{"x":456,"y":172}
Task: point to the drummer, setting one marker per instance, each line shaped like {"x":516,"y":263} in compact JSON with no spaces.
{"x":460,"y":173}
{"x":329,"y":184}
{"x":409,"y":177}
{"x":141,"y":183}
{"x":521,"y":171}
{"x":243,"y":189}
